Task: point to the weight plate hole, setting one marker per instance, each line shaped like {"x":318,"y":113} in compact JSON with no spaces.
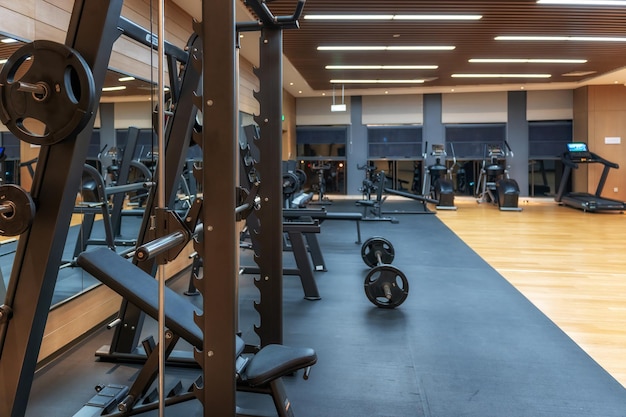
{"x":33,"y":127}
{"x":72,"y":85}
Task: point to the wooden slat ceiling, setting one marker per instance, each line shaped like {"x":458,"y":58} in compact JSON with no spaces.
{"x":472,"y":39}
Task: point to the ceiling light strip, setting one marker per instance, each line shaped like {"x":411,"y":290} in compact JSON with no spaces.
{"x":381,"y":67}
{"x":584,"y":2}
{"x":501,"y":75}
{"x":387,"y":17}
{"x":562,"y":38}
{"x":526,"y":61}
{"x":377,"y":81}
{"x":387,"y":48}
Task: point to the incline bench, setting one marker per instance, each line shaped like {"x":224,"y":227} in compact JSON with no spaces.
{"x":260,"y":373}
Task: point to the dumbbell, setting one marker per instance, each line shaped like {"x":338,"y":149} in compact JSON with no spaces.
{"x":385,"y":285}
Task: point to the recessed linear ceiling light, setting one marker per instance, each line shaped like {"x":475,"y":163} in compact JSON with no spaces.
{"x":377,"y":81}
{"x":117,"y":88}
{"x":392,"y":17}
{"x":578,"y":73}
{"x":562,"y":38}
{"x":3,"y":61}
{"x":124,"y":79}
{"x":380,"y":67}
{"x":386,"y":48}
{"x":527,"y":61}
{"x":9,"y":40}
{"x":501,"y":75}
{"x":584,"y":2}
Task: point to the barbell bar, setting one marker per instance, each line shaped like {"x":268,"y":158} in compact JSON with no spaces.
{"x":385,"y":285}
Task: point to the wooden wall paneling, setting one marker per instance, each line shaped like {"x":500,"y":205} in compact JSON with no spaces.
{"x":609,"y":123}
{"x":71,"y":320}
{"x":48,"y":32}
{"x":606,"y":118}
{"x":580,"y":133}
{"x":18,"y":25}
{"x":53,"y":15}
{"x":248,"y":84}
{"x":25,"y":8}
{"x":289,"y":126}
{"x":66,"y":5}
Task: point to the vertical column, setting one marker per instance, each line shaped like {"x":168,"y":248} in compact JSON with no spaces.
{"x":270,"y":256}
{"x":221,"y":251}
{"x":517,"y":137}
{"x":107,"y":127}
{"x":357,"y":151}
{"x":433,"y":130}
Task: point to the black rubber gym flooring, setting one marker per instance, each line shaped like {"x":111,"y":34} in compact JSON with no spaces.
{"x":464,"y":343}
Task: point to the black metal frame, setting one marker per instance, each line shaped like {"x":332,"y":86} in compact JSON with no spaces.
{"x":92,"y":32}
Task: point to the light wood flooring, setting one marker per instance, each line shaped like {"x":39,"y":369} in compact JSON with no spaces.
{"x":570,"y":264}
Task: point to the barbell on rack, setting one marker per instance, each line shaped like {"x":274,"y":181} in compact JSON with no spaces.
{"x":385,"y":285}
{"x":17,"y":210}
{"x":47,"y":93}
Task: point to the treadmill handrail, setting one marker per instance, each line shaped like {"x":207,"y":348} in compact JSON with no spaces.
{"x":595,"y":158}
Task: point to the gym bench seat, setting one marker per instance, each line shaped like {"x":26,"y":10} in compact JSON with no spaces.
{"x":262,"y":372}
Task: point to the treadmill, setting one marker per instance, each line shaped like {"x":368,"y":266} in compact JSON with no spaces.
{"x":578,"y":153}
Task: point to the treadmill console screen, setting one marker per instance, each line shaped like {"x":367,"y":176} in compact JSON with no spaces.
{"x":578,"y":152}
{"x":577,"y":147}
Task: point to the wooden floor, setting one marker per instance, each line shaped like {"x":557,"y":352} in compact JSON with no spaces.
{"x":570,"y":264}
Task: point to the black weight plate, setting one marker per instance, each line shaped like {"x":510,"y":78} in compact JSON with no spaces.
{"x":290,"y":183}
{"x":66,"y":107}
{"x":301,"y":177}
{"x":377,"y":244}
{"x":386,"y":286}
{"x":18,"y":219}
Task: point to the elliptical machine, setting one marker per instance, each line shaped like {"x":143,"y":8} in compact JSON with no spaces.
{"x":437,"y":179}
{"x":494,"y":182}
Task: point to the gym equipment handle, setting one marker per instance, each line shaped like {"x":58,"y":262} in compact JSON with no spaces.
{"x":160,"y":245}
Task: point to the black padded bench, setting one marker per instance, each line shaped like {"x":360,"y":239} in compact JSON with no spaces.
{"x":260,"y":373}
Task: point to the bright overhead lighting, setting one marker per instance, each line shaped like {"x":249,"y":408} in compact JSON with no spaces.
{"x":385,"y":48}
{"x":3,"y":61}
{"x":348,"y":17}
{"x":527,"y":61}
{"x":377,"y":81}
{"x":421,"y":48}
{"x":501,"y":75}
{"x":562,"y":38}
{"x":357,"y":17}
{"x":437,"y":17}
{"x":124,"y":79}
{"x":380,"y":67}
{"x":9,"y":40}
{"x":584,"y":2}
{"x":117,"y":88}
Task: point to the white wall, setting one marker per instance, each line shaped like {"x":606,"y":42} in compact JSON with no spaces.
{"x":394,"y":110}
{"x":550,"y":105}
{"x":474,"y":107}
{"x":315,"y":111}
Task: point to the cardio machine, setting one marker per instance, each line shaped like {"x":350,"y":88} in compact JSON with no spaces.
{"x":437,"y":181}
{"x":494,"y":183}
{"x":578,"y":153}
